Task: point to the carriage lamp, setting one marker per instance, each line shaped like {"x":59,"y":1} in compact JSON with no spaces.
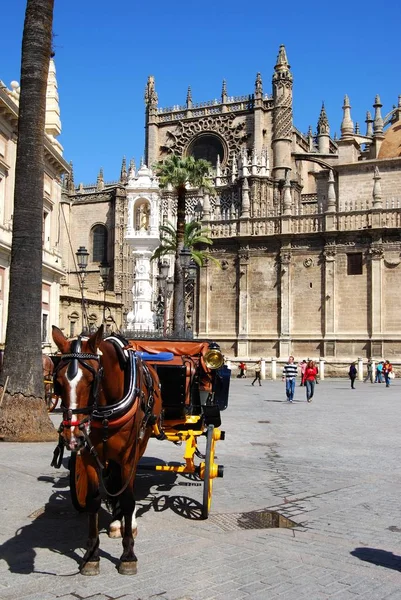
{"x":214,"y":358}
{"x":185,"y":257}
{"x":82,"y":258}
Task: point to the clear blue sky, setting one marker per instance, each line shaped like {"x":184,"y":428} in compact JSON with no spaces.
{"x":106,"y":50}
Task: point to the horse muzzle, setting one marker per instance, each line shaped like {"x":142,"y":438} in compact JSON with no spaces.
{"x":73,"y":435}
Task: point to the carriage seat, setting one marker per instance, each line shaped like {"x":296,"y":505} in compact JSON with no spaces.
{"x":181,"y":377}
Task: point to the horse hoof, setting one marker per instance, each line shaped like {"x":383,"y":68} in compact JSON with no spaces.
{"x":90,"y":568}
{"x":127,"y":568}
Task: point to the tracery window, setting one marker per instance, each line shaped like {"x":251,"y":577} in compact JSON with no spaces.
{"x":99,"y":244}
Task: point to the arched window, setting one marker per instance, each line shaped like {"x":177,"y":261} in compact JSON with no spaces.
{"x":99,"y":244}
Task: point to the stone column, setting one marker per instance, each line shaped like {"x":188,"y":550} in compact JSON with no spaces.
{"x":274,"y":368}
{"x":321,"y":369}
{"x":243,"y":263}
{"x":360,"y":368}
{"x":376,"y":262}
{"x":262,"y":368}
{"x":328,"y":302}
{"x":285,"y":289}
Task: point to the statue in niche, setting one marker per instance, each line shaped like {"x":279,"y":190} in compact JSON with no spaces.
{"x":142,"y":217}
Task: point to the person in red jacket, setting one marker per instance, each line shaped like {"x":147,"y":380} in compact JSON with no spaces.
{"x":311,"y":372}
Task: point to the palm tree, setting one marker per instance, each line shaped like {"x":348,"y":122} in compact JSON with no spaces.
{"x":193,"y":237}
{"x":179,"y":172}
{"x":23,"y":415}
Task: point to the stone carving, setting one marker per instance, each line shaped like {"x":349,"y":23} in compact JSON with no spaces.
{"x":376,"y":252}
{"x":308,"y":262}
{"x":330,"y":251}
{"x":233,"y":135}
{"x":285,"y":258}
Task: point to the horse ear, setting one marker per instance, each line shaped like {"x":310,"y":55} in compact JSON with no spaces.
{"x":95,"y":339}
{"x":60,"y":340}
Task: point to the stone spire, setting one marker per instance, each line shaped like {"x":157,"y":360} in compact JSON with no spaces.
{"x":70,"y":180}
{"x":331,"y":193}
{"x":218,"y":171}
{"x":189,"y":97}
{"x":378,"y":121}
{"x":151,"y":99}
{"x":369,"y":124}
{"x":282,"y":116}
{"x":258,"y":86}
{"x":132,"y":169}
{"x":377,"y":190}
{"x":123,"y":172}
{"x":323,"y":132}
{"x":224,"y":92}
{"x":100,"y":180}
{"x":53,"y":121}
{"x":347,"y":125}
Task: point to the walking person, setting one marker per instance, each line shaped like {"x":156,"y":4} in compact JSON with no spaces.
{"x":302,"y":366}
{"x":369,"y":375}
{"x":352,"y":374}
{"x":311,"y":373}
{"x":387,"y":369}
{"x":379,"y":372}
{"x":257,"y":373}
{"x":290,"y":372}
{"x":242,"y":369}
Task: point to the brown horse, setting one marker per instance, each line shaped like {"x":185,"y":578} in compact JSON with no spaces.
{"x":110,"y":402}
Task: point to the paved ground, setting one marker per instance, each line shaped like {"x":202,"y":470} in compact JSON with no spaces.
{"x":332,"y":466}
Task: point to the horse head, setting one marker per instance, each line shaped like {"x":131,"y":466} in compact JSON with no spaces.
{"x":77,"y":380}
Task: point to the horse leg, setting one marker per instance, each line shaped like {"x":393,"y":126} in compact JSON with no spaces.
{"x":116,"y":526}
{"x":90,"y":561}
{"x":128,"y":560}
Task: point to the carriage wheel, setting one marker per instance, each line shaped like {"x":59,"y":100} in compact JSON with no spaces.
{"x":207,"y":473}
{"x":78,"y":482}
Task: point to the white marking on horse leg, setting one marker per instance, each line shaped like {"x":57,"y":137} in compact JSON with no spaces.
{"x":115,"y":529}
{"x":73,"y":401}
{"x":134,"y":524}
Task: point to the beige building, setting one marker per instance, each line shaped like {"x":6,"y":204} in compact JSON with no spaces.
{"x":307,"y":228}
{"x":55,"y":167}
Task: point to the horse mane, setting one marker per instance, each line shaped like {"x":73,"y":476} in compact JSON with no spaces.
{"x":119,"y":343}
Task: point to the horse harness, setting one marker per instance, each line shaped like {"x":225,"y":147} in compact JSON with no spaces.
{"x":98,"y":416}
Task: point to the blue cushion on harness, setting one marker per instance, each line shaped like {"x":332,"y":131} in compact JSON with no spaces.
{"x":159,"y":356}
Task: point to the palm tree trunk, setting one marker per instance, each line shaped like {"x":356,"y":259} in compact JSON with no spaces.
{"x":23,"y":415}
{"x":179,"y":295}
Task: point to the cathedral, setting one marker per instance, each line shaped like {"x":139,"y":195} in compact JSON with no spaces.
{"x":306,"y":228}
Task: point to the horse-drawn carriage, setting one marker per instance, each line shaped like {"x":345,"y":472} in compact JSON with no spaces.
{"x":115,"y":395}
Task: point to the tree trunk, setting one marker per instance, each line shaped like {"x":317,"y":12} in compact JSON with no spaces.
{"x":179,"y":295}
{"x":22,"y":415}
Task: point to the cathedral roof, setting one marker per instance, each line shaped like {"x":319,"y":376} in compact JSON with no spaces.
{"x":391,"y":145}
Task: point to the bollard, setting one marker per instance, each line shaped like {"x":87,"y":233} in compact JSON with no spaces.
{"x":274,"y":368}
{"x":321,"y":369}
{"x":360,"y":369}
{"x":373,"y":370}
{"x":262,"y":368}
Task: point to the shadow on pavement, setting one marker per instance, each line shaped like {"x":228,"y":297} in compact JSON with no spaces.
{"x":381,"y":558}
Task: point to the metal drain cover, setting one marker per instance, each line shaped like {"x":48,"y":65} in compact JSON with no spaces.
{"x":256,"y":519}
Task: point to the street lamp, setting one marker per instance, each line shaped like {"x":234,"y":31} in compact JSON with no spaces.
{"x":166,"y":285}
{"x":104,"y":269}
{"x":189,"y":276}
{"x":82,"y":261}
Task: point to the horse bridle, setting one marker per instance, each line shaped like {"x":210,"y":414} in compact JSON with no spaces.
{"x":74,"y":358}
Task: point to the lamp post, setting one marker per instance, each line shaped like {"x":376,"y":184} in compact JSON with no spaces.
{"x":104,"y":269}
{"x":166,"y":285}
{"x":82,"y":261}
{"x":189,"y":271}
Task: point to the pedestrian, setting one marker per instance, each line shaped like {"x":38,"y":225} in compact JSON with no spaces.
{"x":379,"y":372}
{"x":352,"y":374}
{"x":290,"y":372}
{"x":302,"y":366}
{"x":242,"y":369}
{"x":311,"y":373}
{"x":387,"y":370}
{"x":369,"y":374}
{"x":257,"y":373}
